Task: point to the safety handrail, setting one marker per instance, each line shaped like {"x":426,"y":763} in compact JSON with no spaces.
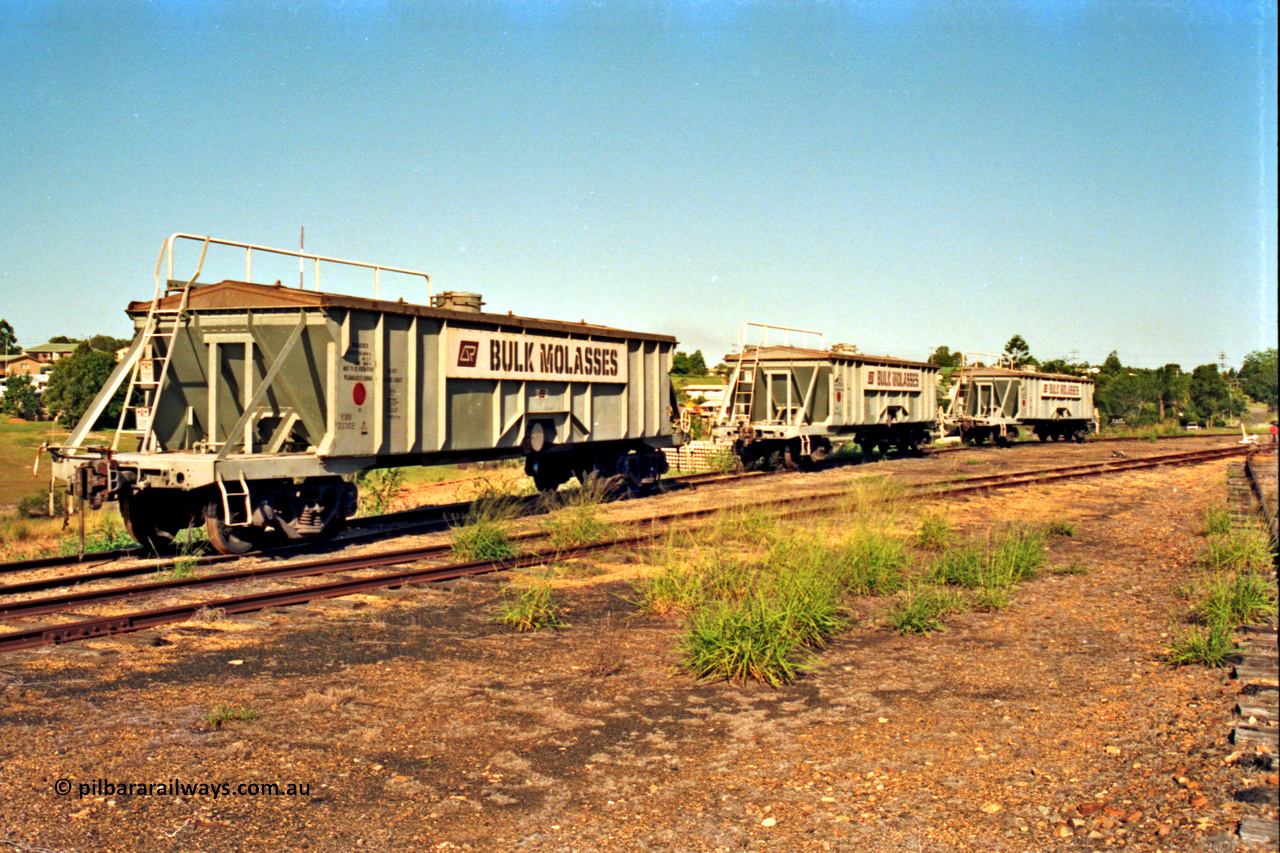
{"x":378,"y":269}
{"x":765,"y":328}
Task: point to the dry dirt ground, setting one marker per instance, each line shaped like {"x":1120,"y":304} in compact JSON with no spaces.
{"x":412,"y":721}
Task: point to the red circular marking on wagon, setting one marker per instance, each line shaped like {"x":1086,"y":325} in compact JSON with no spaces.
{"x":358,"y":393}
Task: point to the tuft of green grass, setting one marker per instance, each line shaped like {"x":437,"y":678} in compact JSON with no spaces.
{"x":741,"y":525}
{"x":482,"y":540}
{"x":1210,"y":645}
{"x":871,"y":496}
{"x":1007,"y":559}
{"x":182,"y":568}
{"x":220,"y":715}
{"x":1243,"y":550}
{"x":808,"y":597}
{"x":1059,"y":527}
{"x":934,"y":532}
{"x":871,"y":562}
{"x":529,"y":607}
{"x":483,"y":535}
{"x":1070,"y":569}
{"x":1016,"y":556}
{"x":752,"y":615}
{"x":575,"y":522}
{"x":747,"y":638}
{"x":1237,"y":598}
{"x":919,"y":609}
{"x":106,"y":534}
{"x":1217,"y":521}
{"x":960,"y":566}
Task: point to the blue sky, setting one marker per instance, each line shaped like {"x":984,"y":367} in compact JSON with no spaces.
{"x":899,"y":175}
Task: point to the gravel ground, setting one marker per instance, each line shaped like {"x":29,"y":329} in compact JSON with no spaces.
{"x":411,"y":721}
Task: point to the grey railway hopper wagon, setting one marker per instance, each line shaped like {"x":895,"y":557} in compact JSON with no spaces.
{"x":253,"y":406}
{"x":786,"y":405}
{"x":997,"y":402}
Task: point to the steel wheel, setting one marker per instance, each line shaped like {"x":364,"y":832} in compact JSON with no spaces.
{"x":153,"y":522}
{"x":791,"y":457}
{"x":230,"y":539}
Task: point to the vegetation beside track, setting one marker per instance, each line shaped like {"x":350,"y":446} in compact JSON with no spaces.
{"x":1234,"y":586}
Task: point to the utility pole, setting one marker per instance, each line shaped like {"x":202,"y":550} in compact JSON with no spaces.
{"x":1222,"y":361}
{"x":302,"y":245}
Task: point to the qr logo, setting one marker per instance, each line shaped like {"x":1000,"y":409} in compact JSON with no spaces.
{"x":467,"y":353}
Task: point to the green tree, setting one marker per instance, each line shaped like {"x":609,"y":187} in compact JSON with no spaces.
{"x":63,"y":339}
{"x":1129,"y":394}
{"x":683,"y":364}
{"x":1258,"y":377}
{"x":1208,"y":393}
{"x":944,"y":357}
{"x":8,"y":340}
{"x":1171,"y":387}
{"x":106,"y":343}
{"x":1018,"y":351}
{"x":76,"y":380}
{"x":1061,"y":365}
{"x":1112,"y":365}
{"x":20,"y":398}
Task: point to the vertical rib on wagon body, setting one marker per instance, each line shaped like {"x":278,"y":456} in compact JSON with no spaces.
{"x":252,"y":405}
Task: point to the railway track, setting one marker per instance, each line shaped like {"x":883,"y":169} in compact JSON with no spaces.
{"x":45,"y":634}
{"x":415,"y":518}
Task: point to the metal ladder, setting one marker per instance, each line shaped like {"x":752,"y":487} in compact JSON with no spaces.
{"x":737,"y":406}
{"x":744,"y":386}
{"x":145,"y":383}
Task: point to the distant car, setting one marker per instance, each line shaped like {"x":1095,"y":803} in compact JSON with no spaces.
{"x":1193,"y":426}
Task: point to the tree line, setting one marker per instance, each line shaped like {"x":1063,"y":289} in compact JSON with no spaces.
{"x":73,"y":380}
{"x":1141,"y":395}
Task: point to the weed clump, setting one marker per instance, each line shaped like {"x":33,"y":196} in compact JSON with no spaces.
{"x":575,"y":522}
{"x":38,"y":505}
{"x":919,"y":609}
{"x":483,"y":534}
{"x":753,"y":616}
{"x":529,"y":607}
{"x":379,"y":490}
{"x":1210,"y":645}
{"x":737,"y":640}
{"x":107,"y":533}
{"x":220,"y":715}
{"x":934,"y":532}
{"x":1059,"y":527}
{"x":1234,"y":589}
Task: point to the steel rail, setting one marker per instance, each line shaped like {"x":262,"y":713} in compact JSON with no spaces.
{"x":54,"y":604}
{"x":425,"y":516}
{"x":1266,"y":503}
{"x":1108,"y":465}
{"x":803,"y":504}
{"x":100,"y":557}
{"x":84,"y":629}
